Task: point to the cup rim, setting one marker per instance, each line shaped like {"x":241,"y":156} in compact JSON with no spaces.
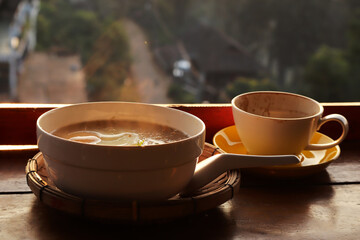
{"x":319,"y":113}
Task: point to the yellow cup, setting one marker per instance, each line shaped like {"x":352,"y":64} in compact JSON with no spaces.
{"x":277,"y":123}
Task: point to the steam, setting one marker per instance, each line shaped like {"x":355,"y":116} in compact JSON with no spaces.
{"x":120,"y":139}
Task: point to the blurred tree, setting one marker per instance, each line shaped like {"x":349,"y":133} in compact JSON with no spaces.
{"x":333,"y":74}
{"x":44,"y":27}
{"x":109,"y":64}
{"x":300,"y":28}
{"x":173,"y":13}
{"x":178,"y":94}
{"x":354,"y":5}
{"x":282,"y":35}
{"x":77,"y":29}
{"x":353,"y":54}
{"x":242,"y":85}
{"x":71,"y":29}
{"x":327,"y":75}
{"x":84,"y":31}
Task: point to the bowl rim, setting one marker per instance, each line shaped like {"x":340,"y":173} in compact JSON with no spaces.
{"x":49,"y":134}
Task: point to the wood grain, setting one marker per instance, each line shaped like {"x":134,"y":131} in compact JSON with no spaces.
{"x":317,"y":212}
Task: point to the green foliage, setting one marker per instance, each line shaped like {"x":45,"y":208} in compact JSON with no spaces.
{"x":178,"y":94}
{"x":109,"y":64}
{"x":326,"y":75}
{"x":83,"y":34}
{"x":62,"y":26}
{"x":104,"y":54}
{"x":172,"y":13}
{"x":242,"y":85}
{"x":43,"y":33}
{"x":334,"y":75}
{"x":353,"y":55}
{"x":354,"y":38}
{"x":290,"y":33}
{"x":45,"y":26}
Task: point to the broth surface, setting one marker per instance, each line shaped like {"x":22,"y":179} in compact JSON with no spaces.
{"x":120,"y":133}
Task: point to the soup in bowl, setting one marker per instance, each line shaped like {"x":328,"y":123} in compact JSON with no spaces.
{"x":119,"y":150}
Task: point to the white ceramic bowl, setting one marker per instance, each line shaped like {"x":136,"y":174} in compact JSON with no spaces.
{"x":143,"y":173}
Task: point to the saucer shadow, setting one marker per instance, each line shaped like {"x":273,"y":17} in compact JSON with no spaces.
{"x":255,"y":178}
{"x":283,"y":202}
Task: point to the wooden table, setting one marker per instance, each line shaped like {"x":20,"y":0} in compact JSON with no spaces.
{"x":324,"y":206}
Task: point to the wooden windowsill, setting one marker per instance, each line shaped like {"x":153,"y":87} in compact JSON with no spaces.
{"x":18,"y":121}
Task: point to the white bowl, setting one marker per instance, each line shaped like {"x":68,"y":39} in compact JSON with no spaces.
{"x":145,"y":173}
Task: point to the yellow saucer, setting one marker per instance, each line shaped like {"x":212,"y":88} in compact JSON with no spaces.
{"x":312,"y":161}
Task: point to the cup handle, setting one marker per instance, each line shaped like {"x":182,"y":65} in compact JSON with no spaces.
{"x":332,"y":117}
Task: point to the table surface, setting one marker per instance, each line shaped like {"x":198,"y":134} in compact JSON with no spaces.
{"x":323,"y":206}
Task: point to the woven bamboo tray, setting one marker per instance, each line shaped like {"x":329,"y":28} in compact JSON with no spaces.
{"x":212,"y":195}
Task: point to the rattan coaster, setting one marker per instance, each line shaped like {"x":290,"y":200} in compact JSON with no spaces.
{"x":212,"y":195}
